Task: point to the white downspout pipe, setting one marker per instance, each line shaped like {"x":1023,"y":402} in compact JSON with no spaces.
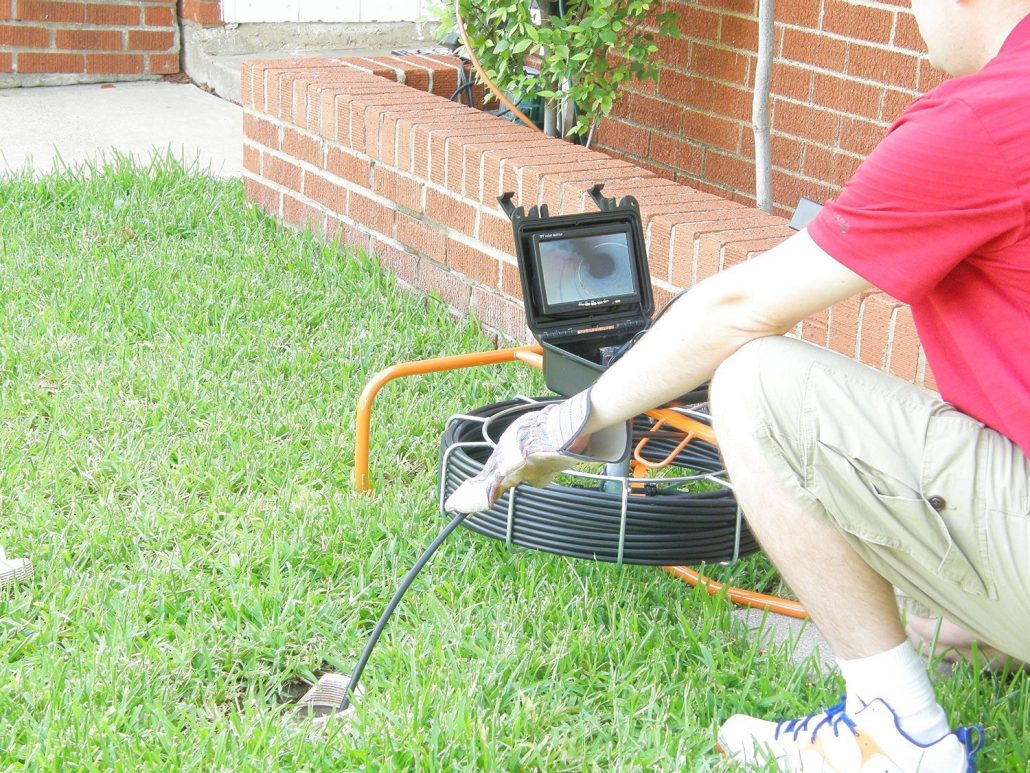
{"x":760,"y":107}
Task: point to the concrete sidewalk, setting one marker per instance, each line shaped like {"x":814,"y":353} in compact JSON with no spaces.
{"x":42,"y":124}
{"x":39,"y":126}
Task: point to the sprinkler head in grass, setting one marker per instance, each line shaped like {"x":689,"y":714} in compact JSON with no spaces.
{"x":320,"y":705}
{"x":333,"y":695}
{"x":14,"y":570}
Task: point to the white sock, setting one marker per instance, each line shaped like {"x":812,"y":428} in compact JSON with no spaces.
{"x":899,"y":678}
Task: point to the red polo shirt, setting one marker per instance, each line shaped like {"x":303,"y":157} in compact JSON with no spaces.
{"x":939,"y":217}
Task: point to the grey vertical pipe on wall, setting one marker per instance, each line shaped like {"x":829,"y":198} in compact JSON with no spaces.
{"x":550,"y":105}
{"x":760,"y":107}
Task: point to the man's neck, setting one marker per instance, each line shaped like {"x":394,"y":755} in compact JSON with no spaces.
{"x":1008,"y":18}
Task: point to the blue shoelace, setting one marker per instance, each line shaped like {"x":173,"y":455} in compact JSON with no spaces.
{"x":833,"y":716}
{"x":972,"y":737}
{"x":973,"y":746}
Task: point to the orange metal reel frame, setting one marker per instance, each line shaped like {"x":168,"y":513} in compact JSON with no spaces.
{"x":533,"y":355}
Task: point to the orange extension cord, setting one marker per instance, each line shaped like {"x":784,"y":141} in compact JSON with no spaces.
{"x":482,"y":75}
{"x":742,"y":596}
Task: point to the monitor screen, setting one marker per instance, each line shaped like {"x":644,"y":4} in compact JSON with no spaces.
{"x":579,"y":270}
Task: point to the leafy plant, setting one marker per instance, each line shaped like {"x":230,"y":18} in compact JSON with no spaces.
{"x":581,"y":49}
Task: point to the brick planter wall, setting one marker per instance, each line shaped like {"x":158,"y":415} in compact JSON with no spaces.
{"x":86,"y":42}
{"x":368,"y":151}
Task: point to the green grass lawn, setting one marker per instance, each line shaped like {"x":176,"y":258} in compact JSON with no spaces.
{"x":178,"y":379}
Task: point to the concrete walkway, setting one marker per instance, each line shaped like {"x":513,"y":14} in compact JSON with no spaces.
{"x":41,"y":126}
{"x":799,"y":640}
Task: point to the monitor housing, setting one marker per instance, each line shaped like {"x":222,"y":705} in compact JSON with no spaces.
{"x":585,"y":283}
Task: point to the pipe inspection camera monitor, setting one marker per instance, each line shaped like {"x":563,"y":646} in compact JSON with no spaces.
{"x":585,"y":285}
{"x":584,"y":269}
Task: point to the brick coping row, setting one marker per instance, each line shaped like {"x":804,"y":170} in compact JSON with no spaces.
{"x":374,"y":152}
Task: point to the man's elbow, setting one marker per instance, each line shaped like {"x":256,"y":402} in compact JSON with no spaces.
{"x":746,"y":316}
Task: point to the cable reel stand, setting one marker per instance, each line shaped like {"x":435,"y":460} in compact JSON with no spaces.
{"x":587,"y":294}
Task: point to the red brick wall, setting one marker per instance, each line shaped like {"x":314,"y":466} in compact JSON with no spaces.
{"x":205,"y":12}
{"x":346,"y":149}
{"x":843,"y":70}
{"x":93,"y":40}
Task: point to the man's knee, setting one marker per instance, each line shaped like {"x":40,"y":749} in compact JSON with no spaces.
{"x":735,"y":382}
{"x":761,"y":384}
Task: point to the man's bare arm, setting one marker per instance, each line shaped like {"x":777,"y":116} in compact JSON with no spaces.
{"x":766,"y":296}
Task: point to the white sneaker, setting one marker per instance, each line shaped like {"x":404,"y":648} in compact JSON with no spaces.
{"x":833,"y":742}
{"x":13,"y":570}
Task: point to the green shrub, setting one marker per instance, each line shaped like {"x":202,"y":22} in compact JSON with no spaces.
{"x":586,"y":49}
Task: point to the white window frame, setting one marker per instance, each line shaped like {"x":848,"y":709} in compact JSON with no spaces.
{"x":255,"y":11}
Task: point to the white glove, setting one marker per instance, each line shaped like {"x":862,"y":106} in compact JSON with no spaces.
{"x":535,"y":448}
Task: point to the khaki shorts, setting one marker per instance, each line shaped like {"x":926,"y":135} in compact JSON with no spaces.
{"x":929,"y":497}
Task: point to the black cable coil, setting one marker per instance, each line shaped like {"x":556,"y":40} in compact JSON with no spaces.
{"x":664,"y":524}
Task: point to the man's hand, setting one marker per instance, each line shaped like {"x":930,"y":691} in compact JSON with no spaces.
{"x":535,"y":448}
